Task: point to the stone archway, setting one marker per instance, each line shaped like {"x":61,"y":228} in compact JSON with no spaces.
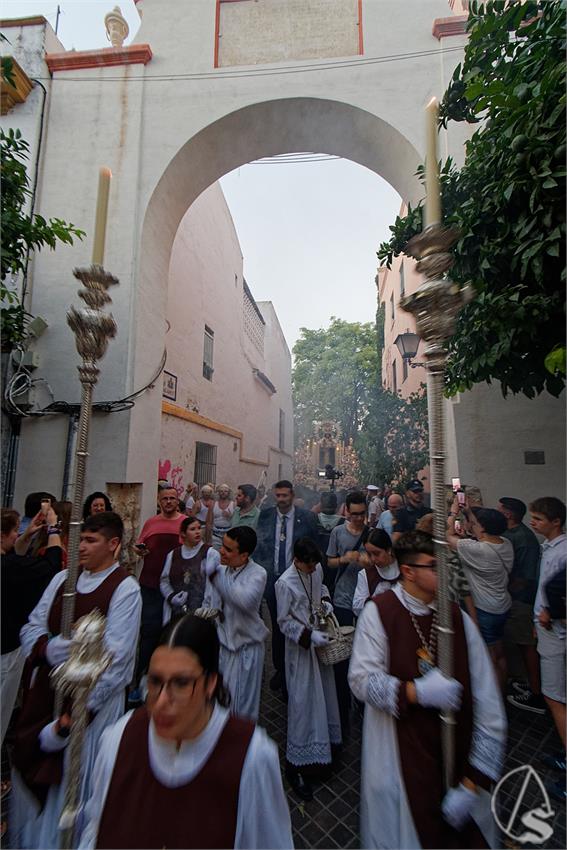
{"x":262,"y":129}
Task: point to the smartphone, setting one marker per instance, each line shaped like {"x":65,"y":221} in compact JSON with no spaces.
{"x":456,"y":484}
{"x":45,"y":505}
{"x":461,"y":498}
{"x":458,"y":527}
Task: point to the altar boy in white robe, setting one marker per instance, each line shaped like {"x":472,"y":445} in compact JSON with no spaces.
{"x":313,"y":722}
{"x":236,"y":587}
{"x":393,"y":670}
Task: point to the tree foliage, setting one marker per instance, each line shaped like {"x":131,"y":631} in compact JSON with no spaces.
{"x":333,"y":372}
{"x":337,"y":377}
{"x":21,"y":232}
{"x":508,"y":200}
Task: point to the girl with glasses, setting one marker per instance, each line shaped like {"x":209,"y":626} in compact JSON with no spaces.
{"x":181,"y":771}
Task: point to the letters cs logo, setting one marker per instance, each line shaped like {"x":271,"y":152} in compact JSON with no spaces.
{"x":524,"y":824}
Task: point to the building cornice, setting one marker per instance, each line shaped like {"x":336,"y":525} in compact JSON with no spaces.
{"x":189,"y":416}
{"x":33,"y":21}
{"x":16,"y":93}
{"x":447,"y":27}
{"x":106,"y":57}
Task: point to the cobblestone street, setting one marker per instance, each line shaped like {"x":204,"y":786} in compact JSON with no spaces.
{"x":331,"y":819}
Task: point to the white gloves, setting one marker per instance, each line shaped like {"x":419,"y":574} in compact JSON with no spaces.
{"x":434,"y":690}
{"x":58,"y":650}
{"x":457,"y":805}
{"x":319,"y":638}
{"x":50,"y":741}
{"x":326,"y":608}
{"x":179,"y":599}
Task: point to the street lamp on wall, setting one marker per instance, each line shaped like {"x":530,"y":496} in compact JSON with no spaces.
{"x":407,"y":344}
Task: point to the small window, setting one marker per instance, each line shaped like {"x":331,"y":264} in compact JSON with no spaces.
{"x":208,"y":346}
{"x":394,"y":378}
{"x":205,"y":464}
{"x":282,"y":430}
{"x":404,"y":369}
{"x":392,"y":307}
{"x":402,"y":281}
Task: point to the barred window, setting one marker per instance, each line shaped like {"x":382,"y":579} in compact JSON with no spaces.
{"x":208,"y":346}
{"x":205,"y":464}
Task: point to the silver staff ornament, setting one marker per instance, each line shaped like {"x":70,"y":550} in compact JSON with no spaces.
{"x":76,"y":678}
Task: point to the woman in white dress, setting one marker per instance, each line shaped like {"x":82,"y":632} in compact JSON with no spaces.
{"x":181,"y":771}
{"x":380,"y":569}
{"x":313,"y":723}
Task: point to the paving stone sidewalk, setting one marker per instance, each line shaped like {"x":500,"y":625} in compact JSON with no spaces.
{"x":331,"y":819}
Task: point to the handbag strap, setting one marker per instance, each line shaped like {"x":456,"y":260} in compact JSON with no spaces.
{"x":362,"y":539}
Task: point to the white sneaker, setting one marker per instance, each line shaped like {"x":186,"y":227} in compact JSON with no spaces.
{"x":521,"y":688}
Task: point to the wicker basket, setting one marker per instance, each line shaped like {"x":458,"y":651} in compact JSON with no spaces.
{"x":340,"y":647}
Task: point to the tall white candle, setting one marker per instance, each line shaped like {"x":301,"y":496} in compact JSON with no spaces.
{"x":101,"y":215}
{"x":433,"y":195}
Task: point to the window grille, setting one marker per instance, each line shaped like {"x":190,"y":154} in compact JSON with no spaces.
{"x":205,"y":464}
{"x":208,"y":346}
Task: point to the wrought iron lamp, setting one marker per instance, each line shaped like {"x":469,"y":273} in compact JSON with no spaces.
{"x":407,"y":344}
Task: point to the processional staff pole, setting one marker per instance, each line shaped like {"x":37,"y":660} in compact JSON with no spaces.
{"x":93,"y":329}
{"x":435,"y":306}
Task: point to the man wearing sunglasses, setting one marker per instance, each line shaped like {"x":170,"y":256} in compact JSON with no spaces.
{"x":394,"y":670}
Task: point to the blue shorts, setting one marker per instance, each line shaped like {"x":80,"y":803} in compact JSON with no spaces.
{"x":491,"y":626}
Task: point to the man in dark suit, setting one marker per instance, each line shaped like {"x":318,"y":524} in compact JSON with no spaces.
{"x":278,"y":529}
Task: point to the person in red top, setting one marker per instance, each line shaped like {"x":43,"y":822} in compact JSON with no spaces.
{"x":160,"y":534}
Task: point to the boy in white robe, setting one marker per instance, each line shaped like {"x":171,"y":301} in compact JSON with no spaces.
{"x":236,"y":587}
{"x":403,"y":803}
{"x":100,"y":538}
{"x":313,"y":722}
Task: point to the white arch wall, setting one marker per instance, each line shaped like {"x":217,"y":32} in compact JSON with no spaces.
{"x":165,"y":143}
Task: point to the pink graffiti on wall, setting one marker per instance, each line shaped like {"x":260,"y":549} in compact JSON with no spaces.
{"x":172,"y":474}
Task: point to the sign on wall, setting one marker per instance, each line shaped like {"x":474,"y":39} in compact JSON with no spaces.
{"x":170,"y":386}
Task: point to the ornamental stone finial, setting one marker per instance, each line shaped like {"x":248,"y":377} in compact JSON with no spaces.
{"x":117,"y":28}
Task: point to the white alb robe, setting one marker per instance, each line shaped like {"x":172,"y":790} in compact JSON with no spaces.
{"x":362,"y":592}
{"x":263,"y":815}
{"x":385,"y":815}
{"x":242,"y":633}
{"x":29,"y":827}
{"x":313,"y":721}
{"x":165,"y":587}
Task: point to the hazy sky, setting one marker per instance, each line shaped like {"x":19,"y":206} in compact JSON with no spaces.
{"x":308,"y":232}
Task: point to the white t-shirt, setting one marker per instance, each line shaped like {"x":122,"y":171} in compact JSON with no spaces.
{"x":487,"y":567}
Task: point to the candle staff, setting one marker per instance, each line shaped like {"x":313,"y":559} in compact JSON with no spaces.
{"x":435,"y":306}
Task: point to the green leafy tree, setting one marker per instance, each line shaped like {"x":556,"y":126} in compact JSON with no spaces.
{"x":332,"y":376}
{"x":393,"y":442}
{"x":337,"y":376}
{"x":508,"y":200}
{"x":21,"y":232}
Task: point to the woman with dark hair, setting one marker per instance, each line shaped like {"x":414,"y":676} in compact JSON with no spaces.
{"x":487,"y":561}
{"x":96,"y":503}
{"x":181,"y":771}
{"x":380,"y":569}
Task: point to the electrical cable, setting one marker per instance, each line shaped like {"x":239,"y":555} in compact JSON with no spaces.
{"x":22,"y":381}
{"x":35,"y":182}
{"x":262,"y":72}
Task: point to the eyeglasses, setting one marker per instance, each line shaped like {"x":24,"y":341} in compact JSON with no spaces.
{"x":178,"y":688}
{"x":432,"y":566}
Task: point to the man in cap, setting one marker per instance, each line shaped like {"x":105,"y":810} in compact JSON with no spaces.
{"x":375,"y":504}
{"x":407,"y":517}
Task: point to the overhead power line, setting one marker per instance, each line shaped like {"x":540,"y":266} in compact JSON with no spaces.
{"x":262,"y":72}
